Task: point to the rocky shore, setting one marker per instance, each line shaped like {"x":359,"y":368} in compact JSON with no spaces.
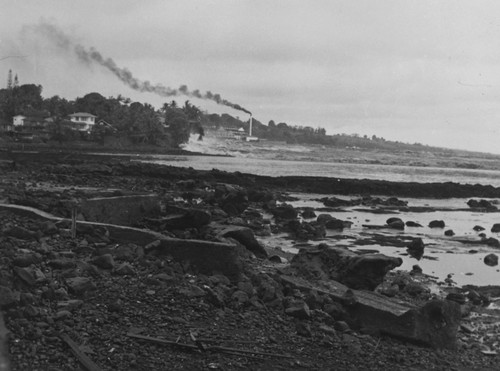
{"x":109,"y":264}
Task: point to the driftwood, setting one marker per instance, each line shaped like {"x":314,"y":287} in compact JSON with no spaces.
{"x":82,"y":357}
{"x":218,"y":349}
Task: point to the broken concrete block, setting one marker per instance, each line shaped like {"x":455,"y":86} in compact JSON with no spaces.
{"x":123,"y":210}
{"x":433,"y":324}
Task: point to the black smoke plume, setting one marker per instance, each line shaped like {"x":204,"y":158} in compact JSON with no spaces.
{"x":89,"y":56}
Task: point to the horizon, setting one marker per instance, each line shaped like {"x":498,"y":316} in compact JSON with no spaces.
{"x":414,"y":72}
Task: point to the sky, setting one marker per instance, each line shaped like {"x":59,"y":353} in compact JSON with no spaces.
{"x":425,"y":71}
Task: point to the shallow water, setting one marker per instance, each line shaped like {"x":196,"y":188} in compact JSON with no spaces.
{"x":443,"y":255}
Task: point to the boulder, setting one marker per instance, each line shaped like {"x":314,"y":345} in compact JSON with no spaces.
{"x":416,"y":248}
{"x":491,"y":260}
{"x":413,"y":224}
{"x":436,"y":224}
{"x":495,"y":228}
{"x":478,"y":228}
{"x":285,"y":211}
{"x":246,"y":237}
{"x":395,"y":223}
{"x":231,"y":198}
{"x":323,"y":218}
{"x":449,"y":232}
{"x":357,"y":271}
{"x":308,"y":213}
{"x":334,"y":224}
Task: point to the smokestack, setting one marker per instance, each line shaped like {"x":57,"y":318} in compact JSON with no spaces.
{"x":250,"y":131}
{"x":88,"y":56}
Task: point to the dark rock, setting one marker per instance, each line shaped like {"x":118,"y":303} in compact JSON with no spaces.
{"x":436,"y":224}
{"x":413,"y":224}
{"x":308,"y":213}
{"x":449,"y":232}
{"x":241,"y":298}
{"x":491,"y":242}
{"x":357,"y":271}
{"x":246,"y":237}
{"x":80,"y":285}
{"x":105,"y":261}
{"x":62,"y":263}
{"x":395,"y":223}
{"x":334,"y":224}
{"x":337,"y":202}
{"x":416,"y":269}
{"x":478,"y":228}
{"x":285,"y":211}
{"x":8,"y":298}
{"x":124,"y":269}
{"x":456,"y":297}
{"x":275,"y":259}
{"x":20,"y":233}
{"x":323,"y":218}
{"x":305,"y":231}
{"x":415,"y":289}
{"x":298,"y":309}
{"x":25,"y":276}
{"x":341,"y":326}
{"x":491,"y":260}
{"x":495,"y":228}
{"x":27,"y":259}
{"x":303,"y":329}
{"x":231,"y":198}
{"x":49,"y":228}
{"x":416,"y":248}
{"x":481,"y":204}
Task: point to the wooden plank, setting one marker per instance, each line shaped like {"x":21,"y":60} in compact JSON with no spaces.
{"x":82,"y":357}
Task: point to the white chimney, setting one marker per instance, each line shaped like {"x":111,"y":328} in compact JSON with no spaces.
{"x":250,"y":131}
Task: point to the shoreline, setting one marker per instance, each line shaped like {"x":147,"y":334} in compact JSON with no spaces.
{"x":302,"y":184}
{"x":96,"y":288}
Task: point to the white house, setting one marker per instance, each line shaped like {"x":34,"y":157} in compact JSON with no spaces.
{"x":82,"y":121}
{"x":18,"y":120}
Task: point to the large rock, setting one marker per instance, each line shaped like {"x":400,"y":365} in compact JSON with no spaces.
{"x":123,"y":210}
{"x":356,"y":271}
{"x":246,"y":237}
{"x":433,"y":324}
{"x":231,"y":198}
{"x":491,"y":260}
{"x":285,"y":211}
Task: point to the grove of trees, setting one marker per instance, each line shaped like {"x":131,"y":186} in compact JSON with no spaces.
{"x":139,"y":122}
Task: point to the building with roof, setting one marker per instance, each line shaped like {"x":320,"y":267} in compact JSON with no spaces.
{"x":82,"y":121}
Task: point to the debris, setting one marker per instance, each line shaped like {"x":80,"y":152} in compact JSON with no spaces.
{"x":82,"y":357}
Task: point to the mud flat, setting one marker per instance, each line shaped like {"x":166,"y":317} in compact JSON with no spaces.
{"x":144,"y":292}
